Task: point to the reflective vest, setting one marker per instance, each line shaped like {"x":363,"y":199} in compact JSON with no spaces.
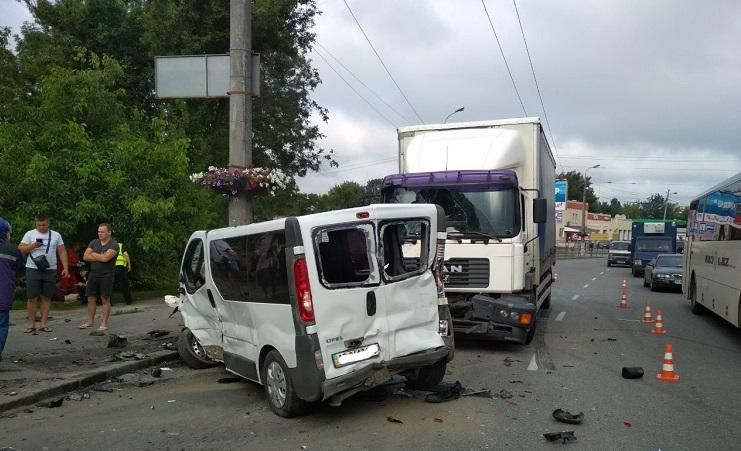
{"x":120,"y":259}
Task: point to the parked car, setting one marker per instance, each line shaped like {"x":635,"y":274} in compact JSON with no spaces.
{"x":320,"y":307}
{"x":619,"y":253}
{"x":664,"y":271}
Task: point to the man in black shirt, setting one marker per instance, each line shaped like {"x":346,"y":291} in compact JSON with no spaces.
{"x":101,"y":253}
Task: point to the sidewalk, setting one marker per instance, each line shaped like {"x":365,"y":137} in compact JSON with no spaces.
{"x":44,"y":364}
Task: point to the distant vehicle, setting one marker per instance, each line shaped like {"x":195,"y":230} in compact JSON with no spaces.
{"x":602,"y":245}
{"x":619,"y":253}
{"x":650,"y":238}
{"x":712,"y":254}
{"x":665,"y":271}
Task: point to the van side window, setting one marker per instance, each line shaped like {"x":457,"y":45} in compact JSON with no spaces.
{"x":344,"y":255}
{"x":193,"y":270}
{"x":405,"y":247}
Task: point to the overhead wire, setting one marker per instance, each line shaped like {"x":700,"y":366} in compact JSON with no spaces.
{"x":354,"y":90}
{"x":537,"y":86}
{"x":382,"y":63}
{"x":503,"y":57}
{"x":404,"y":118}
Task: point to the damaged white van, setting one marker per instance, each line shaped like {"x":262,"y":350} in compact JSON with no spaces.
{"x":319,"y":307}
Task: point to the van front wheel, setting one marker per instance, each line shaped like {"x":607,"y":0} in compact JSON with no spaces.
{"x":279,"y":391}
{"x":192,"y":352}
{"x":428,"y":376}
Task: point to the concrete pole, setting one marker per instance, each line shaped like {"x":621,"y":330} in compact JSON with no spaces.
{"x":240,"y":102}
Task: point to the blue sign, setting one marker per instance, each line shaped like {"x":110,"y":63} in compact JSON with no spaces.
{"x":562,"y":188}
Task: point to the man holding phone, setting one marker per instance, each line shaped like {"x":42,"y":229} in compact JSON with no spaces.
{"x":44,"y":248}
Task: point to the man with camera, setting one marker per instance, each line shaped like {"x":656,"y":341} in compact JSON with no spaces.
{"x":43,"y":247}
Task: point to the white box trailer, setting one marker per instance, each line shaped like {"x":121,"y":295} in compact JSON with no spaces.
{"x":495,"y":181}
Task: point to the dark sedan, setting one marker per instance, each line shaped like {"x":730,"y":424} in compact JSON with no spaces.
{"x":665,"y":271}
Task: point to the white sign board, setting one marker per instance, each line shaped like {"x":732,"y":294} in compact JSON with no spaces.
{"x":191,"y":76}
{"x":653,"y":227}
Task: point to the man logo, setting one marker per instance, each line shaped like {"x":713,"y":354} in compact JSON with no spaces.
{"x":452,"y":268}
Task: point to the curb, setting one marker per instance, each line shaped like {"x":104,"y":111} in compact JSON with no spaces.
{"x":89,"y":378}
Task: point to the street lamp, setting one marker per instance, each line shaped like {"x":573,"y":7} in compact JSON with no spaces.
{"x":666,"y":204}
{"x":584,"y":203}
{"x":456,"y":111}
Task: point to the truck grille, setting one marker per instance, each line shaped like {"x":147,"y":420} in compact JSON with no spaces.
{"x":466,"y":273}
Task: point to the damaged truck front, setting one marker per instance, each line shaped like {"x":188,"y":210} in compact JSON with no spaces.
{"x":494,"y":180}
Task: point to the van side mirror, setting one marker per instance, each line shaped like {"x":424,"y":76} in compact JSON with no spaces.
{"x":540,"y":211}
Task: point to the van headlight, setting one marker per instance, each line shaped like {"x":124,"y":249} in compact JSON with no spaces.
{"x":637,"y":262}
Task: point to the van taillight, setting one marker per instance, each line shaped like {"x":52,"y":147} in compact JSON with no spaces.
{"x":303,"y":290}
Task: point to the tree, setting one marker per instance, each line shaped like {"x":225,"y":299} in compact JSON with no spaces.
{"x":344,"y":195}
{"x":632,"y":210}
{"x":576,"y":187}
{"x":653,"y":206}
{"x":372,"y":191}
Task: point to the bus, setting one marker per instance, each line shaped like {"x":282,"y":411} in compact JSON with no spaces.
{"x":712,"y":254}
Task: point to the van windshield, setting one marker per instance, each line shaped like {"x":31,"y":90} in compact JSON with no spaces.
{"x":620,"y":247}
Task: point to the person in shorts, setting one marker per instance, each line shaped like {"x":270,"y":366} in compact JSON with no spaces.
{"x":44,"y":247}
{"x":101,"y":254}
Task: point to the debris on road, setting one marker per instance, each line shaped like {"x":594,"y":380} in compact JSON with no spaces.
{"x":157,"y":372}
{"x":229,"y":380}
{"x":394,"y":420}
{"x":610,"y":339}
{"x":480,"y":393}
{"x":450,"y":393}
{"x":52,"y":403}
{"x":515,"y":382}
{"x":627,"y":425}
{"x":117,"y":341}
{"x":564,"y":416}
{"x":564,"y":436}
{"x":104,"y":388}
{"x":402,"y":393}
{"x":128,"y":355}
{"x":157,"y":333}
{"x":632,"y":372}
{"x":68,"y":341}
{"x":508,"y":361}
{"x":170,"y":346}
{"x":75,"y":397}
{"x":438,"y":420}
{"x":504,"y":394}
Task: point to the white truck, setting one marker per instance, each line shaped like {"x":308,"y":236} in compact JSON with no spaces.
{"x":495,"y":182}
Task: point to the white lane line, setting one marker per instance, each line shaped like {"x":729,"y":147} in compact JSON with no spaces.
{"x":560,"y":316}
{"x":576,"y":296}
{"x":533,"y":366}
{"x":594,"y":278}
{"x":586,"y":286}
{"x":601,"y":273}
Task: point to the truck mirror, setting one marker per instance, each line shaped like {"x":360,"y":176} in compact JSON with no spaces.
{"x":540,"y":211}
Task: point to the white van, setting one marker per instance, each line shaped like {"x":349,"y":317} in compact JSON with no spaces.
{"x":320,"y":307}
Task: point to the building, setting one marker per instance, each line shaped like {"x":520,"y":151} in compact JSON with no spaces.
{"x":600,"y":226}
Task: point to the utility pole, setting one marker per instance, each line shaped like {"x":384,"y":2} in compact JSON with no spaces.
{"x":240,"y":102}
{"x":584,"y":207}
{"x":666,"y":204}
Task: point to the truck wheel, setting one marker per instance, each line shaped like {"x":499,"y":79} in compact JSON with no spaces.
{"x":428,"y":376}
{"x":546,"y":303}
{"x":192,"y":352}
{"x":279,"y":391}
{"x":696,"y":308}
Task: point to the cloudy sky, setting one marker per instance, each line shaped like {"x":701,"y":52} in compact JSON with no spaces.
{"x":651,"y":91}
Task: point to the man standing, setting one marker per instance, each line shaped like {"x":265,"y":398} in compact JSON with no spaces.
{"x":44,"y":246}
{"x":11,"y":263}
{"x":123,"y":268}
{"x":101,"y":253}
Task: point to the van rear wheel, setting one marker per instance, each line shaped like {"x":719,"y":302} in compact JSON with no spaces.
{"x":428,"y":376}
{"x":279,"y":390}
{"x":192,"y":352}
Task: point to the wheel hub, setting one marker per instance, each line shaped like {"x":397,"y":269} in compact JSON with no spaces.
{"x":276,"y":382}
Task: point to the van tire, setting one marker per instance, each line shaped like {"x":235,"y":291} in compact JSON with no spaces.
{"x":279,"y":391}
{"x":427,"y":377}
{"x":192,"y":352}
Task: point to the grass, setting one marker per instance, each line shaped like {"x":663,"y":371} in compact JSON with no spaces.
{"x":117,"y":298}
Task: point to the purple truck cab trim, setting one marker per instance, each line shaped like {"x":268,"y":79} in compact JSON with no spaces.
{"x":495,"y":180}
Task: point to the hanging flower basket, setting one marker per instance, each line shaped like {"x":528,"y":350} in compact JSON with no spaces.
{"x":234,"y":182}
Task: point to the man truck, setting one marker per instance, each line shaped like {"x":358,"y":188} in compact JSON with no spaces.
{"x":495,"y":182}
{"x":649,"y":238}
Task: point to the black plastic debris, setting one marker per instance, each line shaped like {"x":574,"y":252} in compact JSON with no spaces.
{"x":169,"y":346}
{"x":610,"y":339}
{"x":52,"y":403}
{"x":632,"y":372}
{"x":128,"y":355}
{"x":157,"y":372}
{"x":564,"y":436}
{"x":69,"y":342}
{"x":394,"y":420}
{"x":564,"y":416}
{"x":158,"y":333}
{"x":117,"y":341}
{"x":449,"y":394}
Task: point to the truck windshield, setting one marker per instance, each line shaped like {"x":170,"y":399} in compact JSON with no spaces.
{"x":654,"y":245}
{"x":468,"y":209}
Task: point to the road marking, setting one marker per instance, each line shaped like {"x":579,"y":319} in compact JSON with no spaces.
{"x":594,"y":278}
{"x":586,"y":286}
{"x":576,"y":296}
{"x":560,"y":316}
{"x":533,"y":366}
{"x":601,"y":273}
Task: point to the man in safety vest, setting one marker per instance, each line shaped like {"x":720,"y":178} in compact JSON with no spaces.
{"x":123,"y":267}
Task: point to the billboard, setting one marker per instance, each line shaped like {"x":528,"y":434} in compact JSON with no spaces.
{"x":562,"y":188}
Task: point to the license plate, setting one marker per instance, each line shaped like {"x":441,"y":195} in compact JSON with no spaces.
{"x":677,"y":282}
{"x":355,"y":355}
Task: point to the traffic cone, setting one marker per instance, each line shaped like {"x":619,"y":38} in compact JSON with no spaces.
{"x":555,"y":277}
{"x":647,"y":317}
{"x":659,"y":329}
{"x":623,"y":300}
{"x":624,"y":285}
{"x":667,"y":373}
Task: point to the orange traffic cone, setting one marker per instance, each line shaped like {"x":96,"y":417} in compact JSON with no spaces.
{"x":647,"y":317}
{"x":659,"y":329}
{"x":623,"y":300}
{"x":667,"y":373}
{"x":555,"y":277}
{"x":624,"y":285}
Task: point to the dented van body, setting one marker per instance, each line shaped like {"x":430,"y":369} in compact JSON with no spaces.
{"x":320,"y":307}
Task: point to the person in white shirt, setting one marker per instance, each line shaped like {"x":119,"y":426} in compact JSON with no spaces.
{"x":44,"y":248}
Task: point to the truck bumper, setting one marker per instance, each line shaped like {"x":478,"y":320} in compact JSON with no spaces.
{"x":484,"y":319}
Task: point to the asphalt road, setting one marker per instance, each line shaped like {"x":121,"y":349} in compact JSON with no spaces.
{"x":574,"y":363}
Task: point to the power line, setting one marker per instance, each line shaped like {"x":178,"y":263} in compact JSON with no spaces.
{"x":668,"y":160}
{"x":383,"y":64}
{"x":361,"y":165}
{"x":532,"y":69}
{"x":361,"y":82}
{"x":632,"y":168}
{"x":503,"y":57}
{"x":353,"y":89}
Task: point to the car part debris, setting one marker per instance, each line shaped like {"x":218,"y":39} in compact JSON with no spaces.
{"x":394,"y":420}
{"x":438,"y":420}
{"x":564,"y":416}
{"x":480,"y":393}
{"x":158,"y":333}
{"x":74,"y":397}
{"x":117,"y":341}
{"x":128,"y":355}
{"x":157,"y":372}
{"x":627,"y":425}
{"x":52,"y":403}
{"x":565,"y":436}
{"x":632,"y":372}
{"x":449,"y":394}
{"x":504,"y":394}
